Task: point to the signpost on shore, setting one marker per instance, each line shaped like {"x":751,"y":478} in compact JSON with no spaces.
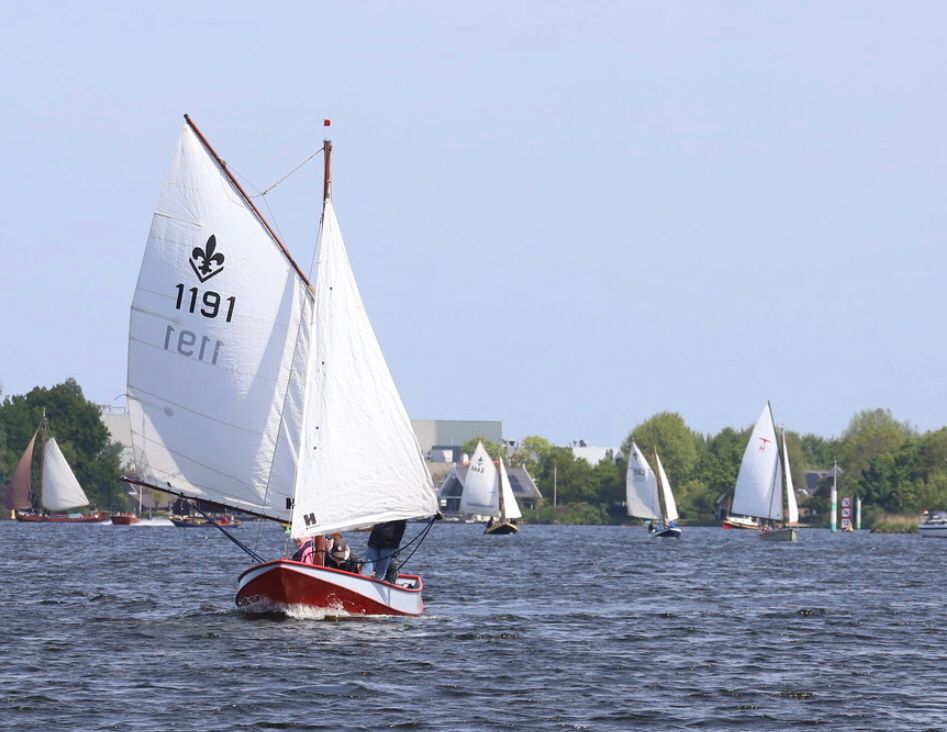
{"x":834,"y":494}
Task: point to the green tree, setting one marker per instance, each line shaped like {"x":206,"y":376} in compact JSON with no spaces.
{"x":677,"y":444}
{"x":870,"y":433}
{"x":494,"y":449}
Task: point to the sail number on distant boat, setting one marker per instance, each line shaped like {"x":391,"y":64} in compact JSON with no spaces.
{"x":208,"y":304}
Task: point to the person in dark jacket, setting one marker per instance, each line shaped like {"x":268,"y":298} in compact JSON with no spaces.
{"x":342,"y":557}
{"x":382,"y":545}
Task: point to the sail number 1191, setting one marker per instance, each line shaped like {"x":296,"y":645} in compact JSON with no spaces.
{"x":210,"y":302}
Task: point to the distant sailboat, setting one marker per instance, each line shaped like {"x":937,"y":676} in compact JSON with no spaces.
{"x":760,"y":490}
{"x":641,"y":494}
{"x":252,"y":388}
{"x":59,"y":489}
{"x":487,"y":492}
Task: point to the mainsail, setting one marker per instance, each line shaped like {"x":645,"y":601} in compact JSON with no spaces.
{"x":480,"y":495}
{"x":61,"y":490}
{"x":360,"y":461}
{"x":670,"y":512}
{"x":18,"y":489}
{"x":641,"y":487}
{"x":759,"y":482}
{"x":218,"y":345}
{"x":510,"y":509}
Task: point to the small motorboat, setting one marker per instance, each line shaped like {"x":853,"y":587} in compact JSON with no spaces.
{"x":125,"y":519}
{"x":934,"y":526}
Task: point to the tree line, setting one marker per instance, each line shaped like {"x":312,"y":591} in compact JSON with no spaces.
{"x":891,"y":466}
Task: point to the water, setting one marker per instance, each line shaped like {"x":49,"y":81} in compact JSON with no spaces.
{"x":559,"y":628}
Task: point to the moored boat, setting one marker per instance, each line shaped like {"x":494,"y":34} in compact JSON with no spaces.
{"x":935,"y":526}
{"x":740,"y":522}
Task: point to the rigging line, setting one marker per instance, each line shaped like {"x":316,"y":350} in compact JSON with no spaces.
{"x":259,"y":195}
{"x":263,"y":194}
{"x":256,"y":557}
{"x":421,"y":536}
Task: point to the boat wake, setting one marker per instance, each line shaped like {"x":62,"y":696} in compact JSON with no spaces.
{"x":264,"y":608}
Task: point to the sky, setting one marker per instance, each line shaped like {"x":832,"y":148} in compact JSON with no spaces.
{"x":566,"y":216}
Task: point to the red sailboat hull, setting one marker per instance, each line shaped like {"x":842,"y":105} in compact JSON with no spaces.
{"x":283,"y":584}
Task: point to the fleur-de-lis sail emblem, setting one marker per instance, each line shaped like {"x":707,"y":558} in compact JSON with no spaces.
{"x":211,"y":261}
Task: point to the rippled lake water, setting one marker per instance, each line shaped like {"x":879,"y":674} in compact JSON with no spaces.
{"x":134,"y":628}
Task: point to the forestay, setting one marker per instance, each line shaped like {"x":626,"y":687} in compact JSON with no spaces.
{"x":511,"y":509}
{"x":480,"y":497}
{"x":361,"y":463}
{"x":757,"y":492}
{"x":641,"y":487}
{"x":670,"y":507}
{"x":61,"y":490}
{"x":218,"y":350}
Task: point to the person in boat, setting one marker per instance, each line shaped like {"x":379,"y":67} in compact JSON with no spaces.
{"x":305,"y":550}
{"x":342,"y":557}
{"x":651,"y":527}
{"x":383,"y":544}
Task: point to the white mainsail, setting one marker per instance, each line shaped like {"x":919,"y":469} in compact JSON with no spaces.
{"x":760,"y":473}
{"x":670,"y":507}
{"x":61,"y":490}
{"x":361,"y":463}
{"x":218,"y":345}
{"x":792,"y":513}
{"x":511,"y":509}
{"x":641,"y":487}
{"x":480,"y":496}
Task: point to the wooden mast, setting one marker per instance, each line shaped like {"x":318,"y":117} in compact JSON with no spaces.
{"x":319,"y":542}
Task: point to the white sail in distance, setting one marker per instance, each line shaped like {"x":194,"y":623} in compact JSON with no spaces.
{"x":670,"y":506}
{"x":480,"y":496}
{"x":792,"y":508}
{"x":511,"y":509}
{"x":218,"y":345}
{"x":641,"y":486}
{"x":760,"y":473}
{"x":361,"y":463}
{"x":60,"y":490}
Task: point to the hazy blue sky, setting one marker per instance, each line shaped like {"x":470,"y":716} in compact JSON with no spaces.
{"x":566,"y":216}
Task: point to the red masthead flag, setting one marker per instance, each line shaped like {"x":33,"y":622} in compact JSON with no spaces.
{"x":327,"y":123}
